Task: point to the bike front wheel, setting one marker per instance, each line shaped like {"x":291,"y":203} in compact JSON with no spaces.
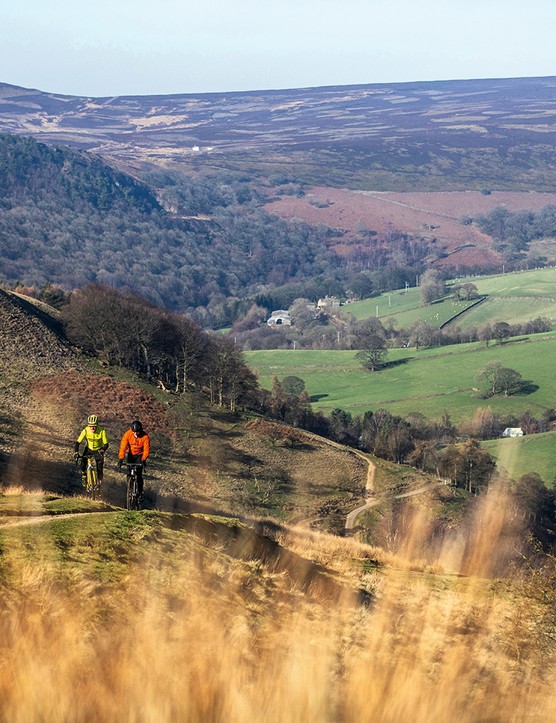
{"x":132,"y":503}
{"x":92,"y":483}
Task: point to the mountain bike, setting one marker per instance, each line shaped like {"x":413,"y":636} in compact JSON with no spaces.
{"x":133,"y":499}
{"x":91,"y":482}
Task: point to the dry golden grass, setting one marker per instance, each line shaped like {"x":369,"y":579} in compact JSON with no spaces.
{"x":18,"y":490}
{"x":343,"y":554}
{"x":197,"y":636}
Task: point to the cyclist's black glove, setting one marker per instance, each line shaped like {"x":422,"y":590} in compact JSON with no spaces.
{"x":144,"y":464}
{"x":75,"y":457}
{"x":120,"y":462}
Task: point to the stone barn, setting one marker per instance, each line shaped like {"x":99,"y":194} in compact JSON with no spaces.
{"x":280,"y":318}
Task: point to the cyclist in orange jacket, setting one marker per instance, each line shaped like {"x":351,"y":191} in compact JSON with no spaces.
{"x":136,"y":446}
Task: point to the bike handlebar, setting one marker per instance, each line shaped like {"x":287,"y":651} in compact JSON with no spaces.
{"x":96,"y":455}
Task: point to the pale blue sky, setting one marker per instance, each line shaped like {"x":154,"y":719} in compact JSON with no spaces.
{"x":137,"y":47}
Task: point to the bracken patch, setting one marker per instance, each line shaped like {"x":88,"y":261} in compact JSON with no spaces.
{"x":112,"y":400}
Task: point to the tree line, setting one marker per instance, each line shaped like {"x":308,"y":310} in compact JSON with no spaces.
{"x":515,"y":230}
{"x":314,"y":329}
{"x":124,"y":329}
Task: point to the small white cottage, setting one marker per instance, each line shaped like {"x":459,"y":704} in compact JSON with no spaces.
{"x":513,"y":432}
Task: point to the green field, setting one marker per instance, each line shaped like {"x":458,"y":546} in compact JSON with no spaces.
{"x":405,"y":307}
{"x":513,"y":297}
{"x":534,"y":453}
{"x":430,"y":381}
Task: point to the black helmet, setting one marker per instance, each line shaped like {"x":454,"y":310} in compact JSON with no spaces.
{"x":136,"y":426}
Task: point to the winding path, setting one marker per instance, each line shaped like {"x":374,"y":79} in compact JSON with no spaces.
{"x":374,"y":501}
{"x":369,"y":488}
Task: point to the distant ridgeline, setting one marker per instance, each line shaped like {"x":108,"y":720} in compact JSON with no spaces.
{"x":428,"y":136}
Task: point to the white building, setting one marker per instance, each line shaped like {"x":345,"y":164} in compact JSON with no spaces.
{"x":513,"y":432}
{"x":280,"y":318}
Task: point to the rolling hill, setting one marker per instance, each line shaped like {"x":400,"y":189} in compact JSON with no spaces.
{"x":434,"y":216}
{"x":202,"y":456}
{"x":432,"y":381}
{"x":513,"y":297}
{"x":432,"y":136}
{"x":210,"y":604}
{"x":261,"y":190}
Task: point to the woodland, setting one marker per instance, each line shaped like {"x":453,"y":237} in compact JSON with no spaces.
{"x":199,"y":244}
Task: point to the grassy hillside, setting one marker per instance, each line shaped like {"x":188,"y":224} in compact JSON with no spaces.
{"x":514,"y":297}
{"x":189,"y":617}
{"x":404,"y":307}
{"x":202,"y":456}
{"x":208,"y":605}
{"x":430,"y":381}
{"x":521,"y":455}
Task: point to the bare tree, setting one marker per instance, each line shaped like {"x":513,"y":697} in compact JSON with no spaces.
{"x":432,"y":285}
{"x":228,"y":378}
{"x":189,"y":349}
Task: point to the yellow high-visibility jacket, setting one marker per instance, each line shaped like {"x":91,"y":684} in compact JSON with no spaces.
{"x":94,"y":440}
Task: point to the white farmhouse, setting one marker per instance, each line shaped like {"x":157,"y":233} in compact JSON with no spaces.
{"x":513,"y":432}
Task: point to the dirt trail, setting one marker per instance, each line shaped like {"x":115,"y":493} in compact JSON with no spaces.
{"x":370,"y":483}
{"x":369,"y":488}
{"x":35,"y":519}
{"x":374,"y":501}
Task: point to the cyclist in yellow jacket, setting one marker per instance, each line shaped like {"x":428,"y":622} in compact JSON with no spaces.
{"x":96,"y":444}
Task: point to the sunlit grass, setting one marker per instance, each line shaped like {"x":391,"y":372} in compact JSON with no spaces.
{"x":17,"y":490}
{"x":184,"y":629}
{"x":513,"y":297}
{"x":522,"y":455}
{"x":431,"y":381}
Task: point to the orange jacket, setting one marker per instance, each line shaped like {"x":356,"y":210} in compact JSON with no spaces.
{"x":136,"y":445}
